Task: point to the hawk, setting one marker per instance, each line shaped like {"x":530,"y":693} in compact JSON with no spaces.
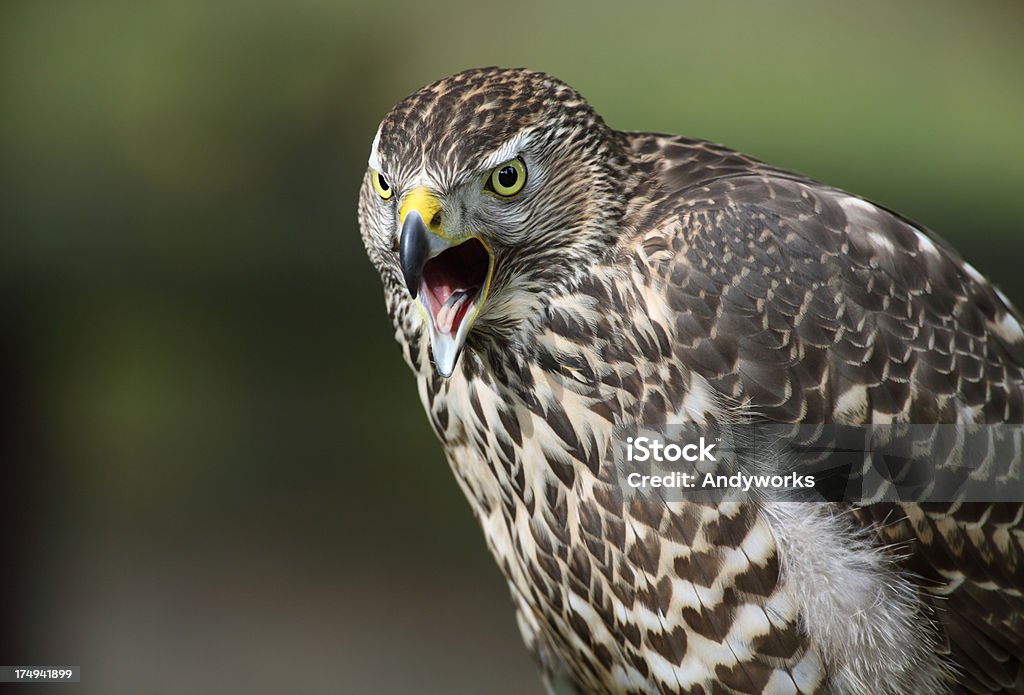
{"x":550,"y":278}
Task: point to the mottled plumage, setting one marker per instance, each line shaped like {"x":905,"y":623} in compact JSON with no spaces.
{"x":650,"y":278}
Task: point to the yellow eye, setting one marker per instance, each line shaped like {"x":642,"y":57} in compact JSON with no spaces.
{"x":381,"y":185}
{"x":508,"y":178}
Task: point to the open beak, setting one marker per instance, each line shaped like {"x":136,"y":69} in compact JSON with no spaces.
{"x":449,"y":277}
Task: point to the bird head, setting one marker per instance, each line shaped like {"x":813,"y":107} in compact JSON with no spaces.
{"x":485,"y":191}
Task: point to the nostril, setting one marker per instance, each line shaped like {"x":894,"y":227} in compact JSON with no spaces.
{"x":435,"y":221}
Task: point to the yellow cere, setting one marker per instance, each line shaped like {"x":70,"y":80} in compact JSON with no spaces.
{"x":427,"y":205}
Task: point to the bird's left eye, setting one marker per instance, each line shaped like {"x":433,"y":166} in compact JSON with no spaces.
{"x":507,"y":179}
{"x":381,"y":185}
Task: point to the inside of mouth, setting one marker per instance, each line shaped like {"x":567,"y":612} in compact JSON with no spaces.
{"x":452,"y":283}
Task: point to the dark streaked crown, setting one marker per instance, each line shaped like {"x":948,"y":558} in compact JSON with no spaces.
{"x":459,"y":119}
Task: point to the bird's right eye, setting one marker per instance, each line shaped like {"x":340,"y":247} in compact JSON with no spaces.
{"x":381,"y":185}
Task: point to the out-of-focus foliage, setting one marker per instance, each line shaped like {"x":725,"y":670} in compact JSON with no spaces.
{"x":220,"y":456}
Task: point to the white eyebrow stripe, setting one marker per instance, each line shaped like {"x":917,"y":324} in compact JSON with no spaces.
{"x":510,"y":149}
{"x":374,"y":161}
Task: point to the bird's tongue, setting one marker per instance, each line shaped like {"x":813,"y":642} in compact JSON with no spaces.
{"x":450,"y":315}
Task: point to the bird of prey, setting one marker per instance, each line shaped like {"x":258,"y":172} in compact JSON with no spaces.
{"x":550,"y":278}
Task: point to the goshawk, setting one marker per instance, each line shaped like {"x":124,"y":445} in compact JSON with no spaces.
{"x":550,"y":278}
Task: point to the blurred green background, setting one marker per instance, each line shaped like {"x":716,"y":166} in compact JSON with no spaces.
{"x":217,"y":474}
